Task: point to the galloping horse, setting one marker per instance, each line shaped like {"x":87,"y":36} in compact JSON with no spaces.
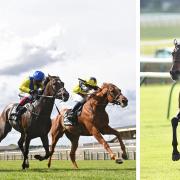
{"x":36,"y":122}
{"x":93,"y":121}
{"x":175,"y":74}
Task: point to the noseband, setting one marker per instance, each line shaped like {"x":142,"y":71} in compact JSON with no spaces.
{"x":59,"y":91}
{"x":115,"y":98}
{"x":55,"y":92}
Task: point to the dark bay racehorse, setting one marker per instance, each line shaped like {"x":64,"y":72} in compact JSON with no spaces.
{"x":93,"y":121}
{"x":175,"y":74}
{"x":35,"y":123}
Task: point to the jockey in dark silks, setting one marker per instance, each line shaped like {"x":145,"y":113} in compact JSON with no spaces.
{"x":81,"y":91}
{"x":30,"y":88}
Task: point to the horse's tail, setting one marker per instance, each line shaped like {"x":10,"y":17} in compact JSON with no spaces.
{"x":5,"y":126}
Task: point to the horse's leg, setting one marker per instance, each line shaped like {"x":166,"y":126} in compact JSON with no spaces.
{"x":94,"y":131}
{"x":26,"y":152}
{"x":56,"y":133}
{"x":174,"y":122}
{"x":45,"y":142}
{"x":74,"y":145}
{"x":109,"y":130}
{"x":21,"y":142}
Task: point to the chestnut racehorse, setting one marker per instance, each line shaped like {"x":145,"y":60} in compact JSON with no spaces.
{"x":36,"y":122}
{"x":175,"y":74}
{"x":93,"y":121}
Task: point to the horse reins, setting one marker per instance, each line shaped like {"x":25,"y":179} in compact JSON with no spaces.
{"x":114,"y":97}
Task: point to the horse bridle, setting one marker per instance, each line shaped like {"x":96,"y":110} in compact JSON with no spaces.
{"x":177,"y":47}
{"x":176,"y":60}
{"x":115,"y":98}
{"x":55,"y":92}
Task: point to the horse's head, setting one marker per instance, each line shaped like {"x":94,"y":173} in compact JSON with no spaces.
{"x":55,"y":87}
{"x":175,"y":69}
{"x":114,"y":94}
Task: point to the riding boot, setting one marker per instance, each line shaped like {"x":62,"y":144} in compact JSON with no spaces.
{"x":70,"y":117}
{"x":21,"y":111}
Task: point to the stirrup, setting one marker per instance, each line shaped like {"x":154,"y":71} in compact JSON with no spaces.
{"x":67,"y":122}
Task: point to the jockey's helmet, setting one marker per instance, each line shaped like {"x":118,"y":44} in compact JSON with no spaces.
{"x":91,"y":81}
{"x":38,"y":75}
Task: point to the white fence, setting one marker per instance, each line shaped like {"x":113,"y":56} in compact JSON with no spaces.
{"x":144,"y":75}
{"x":160,"y":19}
{"x":89,"y":153}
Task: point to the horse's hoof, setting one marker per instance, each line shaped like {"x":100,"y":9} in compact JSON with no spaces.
{"x":113,"y":157}
{"x":49,"y":165}
{"x":124,"y":156}
{"x":38,"y":157}
{"x":119,"y":161}
{"x":175,"y":157}
{"x":26,"y":165}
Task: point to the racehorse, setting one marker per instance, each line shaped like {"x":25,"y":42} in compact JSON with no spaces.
{"x":93,"y":121}
{"x":35,"y":122}
{"x":175,"y":75}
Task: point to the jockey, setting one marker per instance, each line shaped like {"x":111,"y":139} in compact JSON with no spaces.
{"x":30,"y":88}
{"x":81,"y":91}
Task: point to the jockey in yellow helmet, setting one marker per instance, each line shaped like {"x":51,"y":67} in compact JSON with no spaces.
{"x":81,"y":91}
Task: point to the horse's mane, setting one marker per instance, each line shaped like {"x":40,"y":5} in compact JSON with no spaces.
{"x":48,"y":79}
{"x":94,"y":94}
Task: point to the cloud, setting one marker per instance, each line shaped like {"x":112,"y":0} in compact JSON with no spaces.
{"x":31,"y":58}
{"x":33,"y":53}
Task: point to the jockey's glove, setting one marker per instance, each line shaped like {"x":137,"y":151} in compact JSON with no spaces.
{"x":92,"y":87}
{"x":39,"y":91}
{"x":33,"y":92}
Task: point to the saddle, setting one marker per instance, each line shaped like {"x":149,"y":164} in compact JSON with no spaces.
{"x":71,"y":118}
{"x":16,"y":112}
{"x":13,"y":112}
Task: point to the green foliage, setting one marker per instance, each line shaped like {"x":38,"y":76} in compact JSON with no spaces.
{"x":63,"y":170}
{"x":156,"y":134}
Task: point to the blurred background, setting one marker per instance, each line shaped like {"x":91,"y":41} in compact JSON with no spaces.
{"x":159,"y":26}
{"x":160,"y":23}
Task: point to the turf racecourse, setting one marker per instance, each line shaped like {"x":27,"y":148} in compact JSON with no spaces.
{"x":63,"y":170}
{"x":156,"y":135}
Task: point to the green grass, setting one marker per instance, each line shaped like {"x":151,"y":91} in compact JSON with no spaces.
{"x":155,"y":34}
{"x":63,"y":170}
{"x":155,"y":148}
{"x":149,"y":49}
{"x":159,"y":33}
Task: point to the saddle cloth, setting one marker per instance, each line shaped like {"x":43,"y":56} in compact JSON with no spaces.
{"x":12,"y":116}
{"x":72,"y":118}
{"x":13,"y":112}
